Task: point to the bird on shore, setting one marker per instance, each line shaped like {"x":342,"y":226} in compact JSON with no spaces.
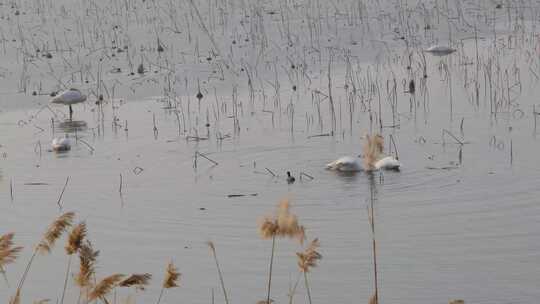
{"x":373,"y":158}
{"x":68,"y":98}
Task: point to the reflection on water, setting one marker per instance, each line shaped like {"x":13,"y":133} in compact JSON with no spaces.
{"x":71,"y":126}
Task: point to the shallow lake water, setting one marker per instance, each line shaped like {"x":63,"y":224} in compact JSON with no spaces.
{"x":460,"y":220}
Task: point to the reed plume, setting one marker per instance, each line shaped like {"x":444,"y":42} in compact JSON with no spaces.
{"x":104,"y":287}
{"x":53,"y":233}
{"x":8,"y":253}
{"x":171,"y":279}
{"x":87,"y":267}
{"x":282,"y":224}
{"x":138,"y":280}
{"x":457,"y":302}
{"x":372,"y":150}
{"x":309,"y":257}
{"x":213,"y":249}
{"x":307,"y":260}
{"x":74,"y":243}
{"x":75,"y":238}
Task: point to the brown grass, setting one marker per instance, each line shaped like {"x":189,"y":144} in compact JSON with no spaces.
{"x":87,"y":259}
{"x":309,"y":257}
{"x":55,"y":231}
{"x":171,"y":279}
{"x":138,"y":280}
{"x":105,"y":286}
{"x":75,"y":238}
{"x":171,"y":276}
{"x":282,"y":224}
{"x":8,"y":252}
{"x":372,"y":150}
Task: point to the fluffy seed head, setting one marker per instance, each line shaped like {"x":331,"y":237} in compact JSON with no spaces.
{"x":171,"y":276}
{"x":55,"y":231}
{"x":76,"y":238}
{"x":105,"y":286}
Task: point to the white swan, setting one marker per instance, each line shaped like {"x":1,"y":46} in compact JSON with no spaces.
{"x":345,"y":164}
{"x":440,"y":50}
{"x":68,"y":98}
{"x":352,"y":164}
{"x":373,"y":158}
{"x":60,"y":144}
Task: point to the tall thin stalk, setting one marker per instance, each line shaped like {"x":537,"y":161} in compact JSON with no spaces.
{"x":372,"y":226}
{"x":270,"y":271}
{"x":213,"y":248}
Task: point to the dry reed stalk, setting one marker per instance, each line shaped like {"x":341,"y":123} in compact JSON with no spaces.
{"x":281,"y":224}
{"x":87,"y":259}
{"x":53,"y":233}
{"x":8,"y":253}
{"x":139,"y":280}
{"x":373,"y":147}
{"x":373,"y":240}
{"x":74,"y":243}
{"x":17,"y":298}
{"x":104,"y":287}
{"x":308,"y":259}
{"x":213,"y":248}
{"x":456,"y":302}
{"x":373,"y":299}
{"x":171,"y":279}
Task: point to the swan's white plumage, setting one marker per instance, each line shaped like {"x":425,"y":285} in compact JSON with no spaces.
{"x":440,"y":50}
{"x":61,"y":144}
{"x":69,"y":97}
{"x":345,"y":164}
{"x":387,"y":163}
{"x":352,"y":164}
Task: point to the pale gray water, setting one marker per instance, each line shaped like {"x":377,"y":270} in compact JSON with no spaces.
{"x":469,"y":231}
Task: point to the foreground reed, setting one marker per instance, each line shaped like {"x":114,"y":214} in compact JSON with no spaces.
{"x":307,"y":260}
{"x":75,"y":241}
{"x":372,"y":150}
{"x":87,"y":268}
{"x":137,"y":280}
{"x":213,"y":249}
{"x":282,"y":224}
{"x":172,"y":276}
{"x":104,"y":287}
{"x":8,"y":253}
{"x":53,"y":233}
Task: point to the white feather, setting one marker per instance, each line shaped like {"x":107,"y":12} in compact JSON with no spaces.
{"x":352,"y":164}
{"x":345,"y":164}
{"x":387,"y":163}
{"x":69,"y":97}
{"x":61,"y":144}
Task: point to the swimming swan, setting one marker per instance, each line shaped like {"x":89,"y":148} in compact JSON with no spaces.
{"x":373,"y":158}
{"x":60,"y":144}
